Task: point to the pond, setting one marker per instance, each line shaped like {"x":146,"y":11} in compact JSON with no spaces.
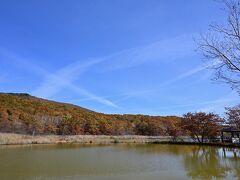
{"x":118,"y":162}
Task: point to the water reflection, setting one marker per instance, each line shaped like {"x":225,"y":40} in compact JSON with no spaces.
{"x":115,"y":162}
{"x":199,"y":162}
{"x":209,"y":163}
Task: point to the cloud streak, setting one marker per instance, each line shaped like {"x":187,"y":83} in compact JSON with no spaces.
{"x":165,"y":50}
{"x":164,"y":85}
{"x":227,"y":100}
{"x":63,"y":78}
{"x":205,"y":106}
{"x":55,"y":82}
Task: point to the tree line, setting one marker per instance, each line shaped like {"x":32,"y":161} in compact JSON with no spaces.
{"x":30,"y":115}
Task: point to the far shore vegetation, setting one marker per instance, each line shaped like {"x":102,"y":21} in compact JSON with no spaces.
{"x":25,"y":114}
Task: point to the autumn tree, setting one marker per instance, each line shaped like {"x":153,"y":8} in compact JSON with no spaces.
{"x":147,"y":128}
{"x":118,"y":128}
{"x":5,"y":124}
{"x":91,"y":127}
{"x":105,"y":127}
{"x":172,"y":127}
{"x":221,"y":46}
{"x":201,"y":125}
{"x":65,"y":126}
{"x":233,"y":116}
{"x":21,"y":113}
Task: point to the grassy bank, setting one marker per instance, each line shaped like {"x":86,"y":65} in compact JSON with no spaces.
{"x":19,"y":139}
{"x":13,"y":139}
{"x":219,"y":144}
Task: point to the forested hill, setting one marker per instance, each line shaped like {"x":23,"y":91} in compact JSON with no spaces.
{"x":25,"y":114}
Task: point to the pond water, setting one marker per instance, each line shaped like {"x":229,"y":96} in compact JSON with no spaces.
{"x":118,"y":162}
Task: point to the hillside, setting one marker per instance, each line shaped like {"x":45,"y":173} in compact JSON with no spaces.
{"x":25,"y":114}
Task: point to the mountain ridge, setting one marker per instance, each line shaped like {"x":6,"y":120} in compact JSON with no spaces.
{"x":25,"y":114}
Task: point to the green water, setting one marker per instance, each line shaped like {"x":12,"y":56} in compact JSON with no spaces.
{"x":118,"y":162}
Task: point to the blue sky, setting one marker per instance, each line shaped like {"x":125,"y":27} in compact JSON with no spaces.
{"x":111,"y":56}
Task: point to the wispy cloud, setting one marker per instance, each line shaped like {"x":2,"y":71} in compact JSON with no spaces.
{"x":55,"y":82}
{"x":214,"y":105}
{"x":228,"y":100}
{"x":125,"y":96}
{"x":192,"y":72}
{"x":169,"y":49}
{"x":164,"y":85}
{"x":94,"y":97}
{"x":166,"y":50}
{"x":63,"y":78}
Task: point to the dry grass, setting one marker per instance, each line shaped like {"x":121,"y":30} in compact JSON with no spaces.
{"x":11,"y":139}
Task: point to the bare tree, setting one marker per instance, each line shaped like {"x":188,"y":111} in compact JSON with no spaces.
{"x":221,"y":46}
{"x":233,"y":116}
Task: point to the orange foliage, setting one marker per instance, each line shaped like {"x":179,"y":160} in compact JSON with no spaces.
{"x":22,"y":113}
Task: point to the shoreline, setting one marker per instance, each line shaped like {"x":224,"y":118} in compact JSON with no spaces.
{"x":20,"y":139}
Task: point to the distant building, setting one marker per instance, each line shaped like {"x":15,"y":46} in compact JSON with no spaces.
{"x":230,"y":134}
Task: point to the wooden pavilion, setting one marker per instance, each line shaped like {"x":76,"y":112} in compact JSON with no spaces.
{"x":233,"y":132}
